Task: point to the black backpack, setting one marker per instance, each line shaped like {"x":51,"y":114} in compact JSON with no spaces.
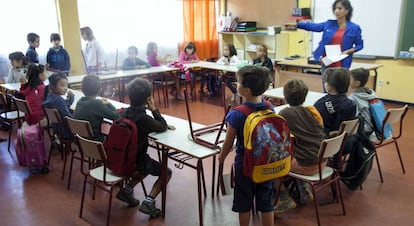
{"x":359,"y":153}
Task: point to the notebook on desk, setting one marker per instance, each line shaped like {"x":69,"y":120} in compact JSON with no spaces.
{"x":209,"y":136}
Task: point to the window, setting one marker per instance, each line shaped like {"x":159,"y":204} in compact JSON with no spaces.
{"x":19,"y":17}
{"x":119,"y":24}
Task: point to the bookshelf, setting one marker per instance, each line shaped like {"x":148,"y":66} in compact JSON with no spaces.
{"x":245,"y":44}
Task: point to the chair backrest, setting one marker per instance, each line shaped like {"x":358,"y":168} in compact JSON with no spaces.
{"x":91,"y":151}
{"x":331,"y":146}
{"x":349,"y":126}
{"x":81,"y":127}
{"x":53,"y":115}
{"x":394,"y":115}
{"x":22,"y":105}
{"x":3,"y":101}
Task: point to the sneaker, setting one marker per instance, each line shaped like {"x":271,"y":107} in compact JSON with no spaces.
{"x":150,"y":209}
{"x":305,"y":193}
{"x":127,"y":196}
{"x":284,"y":203}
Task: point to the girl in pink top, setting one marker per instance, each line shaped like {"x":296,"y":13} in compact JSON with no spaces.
{"x":188,"y":55}
{"x":33,"y":90}
{"x":152,"y":55}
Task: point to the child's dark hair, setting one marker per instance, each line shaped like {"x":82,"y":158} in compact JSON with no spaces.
{"x":18,"y":56}
{"x":150,"y":48}
{"x":87,"y":31}
{"x":255,"y":78}
{"x":295,"y":92}
{"x":133,"y":48}
{"x":347,"y":5}
{"x":190,"y":45}
{"x":54,"y":37}
{"x":232,"y":50}
{"x":32,"y":75}
{"x":31,"y":37}
{"x":138,"y":91}
{"x":338,"y":78}
{"x":361,"y":75}
{"x":55,"y":78}
{"x":91,"y":85}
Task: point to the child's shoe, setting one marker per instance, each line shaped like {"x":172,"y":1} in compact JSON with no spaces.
{"x":284,"y":203}
{"x":127,"y":195}
{"x":149,"y":208}
{"x":305,"y":192}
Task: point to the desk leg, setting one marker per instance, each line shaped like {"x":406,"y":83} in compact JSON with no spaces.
{"x":203,"y":179}
{"x":214,"y":177}
{"x":200,"y":207}
{"x":121,"y":90}
{"x":164,"y":178}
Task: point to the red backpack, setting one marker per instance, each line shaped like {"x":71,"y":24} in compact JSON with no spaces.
{"x":267,"y":145}
{"x":121,"y":147}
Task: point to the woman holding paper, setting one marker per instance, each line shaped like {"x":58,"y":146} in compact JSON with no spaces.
{"x":340,"y":32}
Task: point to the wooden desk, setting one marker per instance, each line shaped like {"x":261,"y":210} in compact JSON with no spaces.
{"x":311,"y":98}
{"x":302,"y":64}
{"x":179,"y":141}
{"x":121,"y":77}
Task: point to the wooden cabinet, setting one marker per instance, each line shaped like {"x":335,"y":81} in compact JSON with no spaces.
{"x":246,"y":42}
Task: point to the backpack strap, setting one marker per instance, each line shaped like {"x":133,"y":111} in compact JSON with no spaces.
{"x":246,"y":109}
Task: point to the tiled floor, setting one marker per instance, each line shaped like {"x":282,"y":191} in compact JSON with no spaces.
{"x":42,"y":199}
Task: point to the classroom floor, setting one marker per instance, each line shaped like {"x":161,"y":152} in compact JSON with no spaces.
{"x":42,"y":199}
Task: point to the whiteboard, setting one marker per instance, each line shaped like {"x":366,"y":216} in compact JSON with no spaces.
{"x":379,"y":21}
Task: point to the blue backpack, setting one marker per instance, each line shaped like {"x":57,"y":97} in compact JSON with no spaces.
{"x":378,"y":112}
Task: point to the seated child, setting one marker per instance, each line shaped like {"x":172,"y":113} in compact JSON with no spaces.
{"x":18,"y":70}
{"x":187,"y":55}
{"x":230,"y":58}
{"x":94,"y":110}
{"x":33,"y":91}
{"x":133,"y":62}
{"x":335,"y":107}
{"x":361,"y":95}
{"x":263,"y":60}
{"x":58,"y":86}
{"x":305,"y":124}
{"x":140,"y":93}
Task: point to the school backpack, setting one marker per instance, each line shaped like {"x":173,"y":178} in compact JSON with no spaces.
{"x":121,"y":147}
{"x":30,"y":148}
{"x":359,"y":153}
{"x":378,"y":112}
{"x":267,"y":146}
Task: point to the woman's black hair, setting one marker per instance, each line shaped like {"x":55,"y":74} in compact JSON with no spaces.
{"x":33,"y":72}
{"x":347,"y":5}
{"x":232,"y":50}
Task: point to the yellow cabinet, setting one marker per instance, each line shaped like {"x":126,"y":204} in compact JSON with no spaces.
{"x":246,"y":42}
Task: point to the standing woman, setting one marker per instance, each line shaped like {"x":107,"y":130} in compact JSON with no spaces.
{"x":341,"y":32}
{"x":93,"y":52}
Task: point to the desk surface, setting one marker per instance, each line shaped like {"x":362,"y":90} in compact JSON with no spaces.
{"x":78,"y":95}
{"x":213,"y":66}
{"x":311,"y":98}
{"x":180,"y":139}
{"x":303,"y":62}
{"x":125,"y":73}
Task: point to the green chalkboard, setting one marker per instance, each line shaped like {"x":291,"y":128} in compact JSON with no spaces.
{"x":407,"y":26}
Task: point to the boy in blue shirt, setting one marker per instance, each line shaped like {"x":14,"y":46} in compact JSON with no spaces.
{"x":34,"y":40}
{"x":57,"y":57}
{"x":252,"y":81}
